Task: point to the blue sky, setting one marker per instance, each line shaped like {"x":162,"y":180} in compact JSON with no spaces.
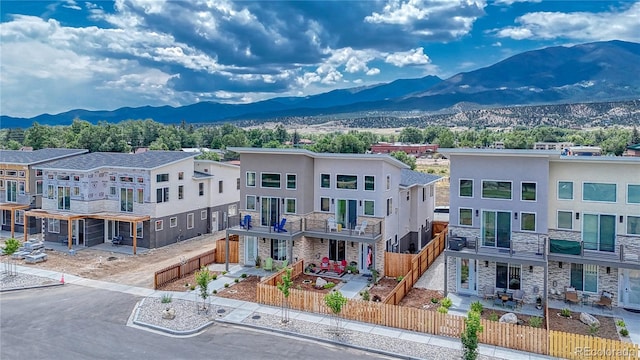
{"x":102,"y":55}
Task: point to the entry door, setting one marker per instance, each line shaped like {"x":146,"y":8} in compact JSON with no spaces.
{"x":214,"y":221}
{"x":466,"y":276}
{"x":110,"y":230}
{"x":631,"y":289}
{"x":250,"y":250}
{"x":269,"y":211}
{"x":78,"y":231}
{"x":365,"y":258}
{"x":347,"y":213}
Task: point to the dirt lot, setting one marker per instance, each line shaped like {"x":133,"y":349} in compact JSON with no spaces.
{"x":383,"y":288}
{"x":244,"y":290}
{"x":574,"y":325}
{"x":421,"y":299}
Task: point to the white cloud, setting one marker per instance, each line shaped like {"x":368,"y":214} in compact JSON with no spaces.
{"x":407,"y":58}
{"x":497,"y":44}
{"x":373,"y":71}
{"x":582,"y":26}
{"x":511,"y":2}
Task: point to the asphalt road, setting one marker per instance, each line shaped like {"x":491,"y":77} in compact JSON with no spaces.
{"x":73,"y":322}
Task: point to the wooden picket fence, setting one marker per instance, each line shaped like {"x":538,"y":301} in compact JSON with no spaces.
{"x":221,"y":250}
{"x":273,"y":280}
{"x":181,"y":269}
{"x":574,"y":346}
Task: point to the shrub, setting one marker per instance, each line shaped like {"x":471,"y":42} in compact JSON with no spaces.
{"x":166,"y":298}
{"x":593,"y":329}
{"x":236,"y":281}
{"x":244,"y":276}
{"x":477,"y":307}
{"x":621,"y":323}
{"x":11,"y":245}
{"x":494,"y":317}
{"x":214,"y":292}
{"x":226,"y":285}
{"x":431,"y":171}
{"x":214,"y":276}
{"x":535,"y":321}
{"x":624,"y":332}
{"x":399,"y":278}
{"x":192,"y":287}
{"x":365,"y":295}
{"x":203,"y":276}
{"x":446,"y":302}
{"x":329,"y":285}
{"x":224,"y":273}
{"x":470,"y":335}
{"x":565,"y":312}
{"x":434,"y":300}
{"x":443,"y":310}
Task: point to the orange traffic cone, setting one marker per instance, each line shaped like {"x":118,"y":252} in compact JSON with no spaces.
{"x":62,"y":279}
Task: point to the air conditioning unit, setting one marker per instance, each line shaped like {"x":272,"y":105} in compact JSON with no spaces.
{"x":457,"y":243}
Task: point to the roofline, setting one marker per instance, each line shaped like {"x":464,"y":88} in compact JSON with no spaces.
{"x":62,"y":156}
{"x":499,"y":152}
{"x":284,"y":151}
{"x":121,"y":167}
{"x":221,"y":163}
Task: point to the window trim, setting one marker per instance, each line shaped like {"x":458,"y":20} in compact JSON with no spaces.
{"x":460,"y":187}
{"x":557,"y":218}
{"x":286,"y":206}
{"x":160,"y":178}
{"x":389,"y":206}
{"x":615,"y":196}
{"x":295,"y":181}
{"x":460,"y":216}
{"x":139,"y":234}
{"x":627,"y":197}
{"x":322,"y":175}
{"x":558,"y":190}
{"x":159,"y":225}
{"x":583,"y":277}
{"x":180,"y":192}
{"x":364,"y":207}
{"x":246,"y":204}
{"x":173,"y":221}
{"x":51,"y":226}
{"x":496,"y":181}
{"x":482,"y":222}
{"x":347,"y":189}
{"x":365,"y":182}
{"x":535,"y":193}
{"x":535,"y":221}
{"x":191,"y":221}
{"x":247,"y":178}
{"x":626,"y":225}
{"x":599,"y":237}
{"x":328,"y":202}
{"x":270,"y":187}
{"x":509,"y":266}
{"x":204,"y":214}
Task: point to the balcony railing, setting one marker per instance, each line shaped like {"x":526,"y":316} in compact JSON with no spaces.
{"x":293,"y":225}
{"x":473,"y":245}
{"x":572,"y":248}
{"x":370,"y":231}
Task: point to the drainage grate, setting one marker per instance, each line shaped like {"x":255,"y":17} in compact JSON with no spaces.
{"x":256,"y":317}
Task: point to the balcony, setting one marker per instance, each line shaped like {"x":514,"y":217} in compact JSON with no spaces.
{"x":574,"y":252}
{"x":471,"y":248}
{"x":293,"y":227}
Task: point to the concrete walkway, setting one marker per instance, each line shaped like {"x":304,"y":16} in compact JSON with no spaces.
{"x":243,"y":309}
{"x":433,"y":278}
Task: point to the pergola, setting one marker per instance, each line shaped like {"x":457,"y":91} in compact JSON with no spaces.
{"x":130,"y":218}
{"x":13,"y":207}
{"x":48,"y":214}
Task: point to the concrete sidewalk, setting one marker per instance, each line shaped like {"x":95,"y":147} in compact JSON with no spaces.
{"x":242,"y":310}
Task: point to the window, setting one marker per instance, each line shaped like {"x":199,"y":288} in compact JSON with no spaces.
{"x":424,"y":194}
{"x":181,"y":175}
{"x":233,"y":209}
{"x":496,"y":228}
{"x":251,"y":202}
{"x":278,"y":249}
{"x":20,"y":217}
{"x":633,"y":225}
{"x":162,"y":177}
{"x":337,"y":250}
{"x":466,"y":217}
{"x":599,"y":192}
{"x":12,"y":191}
{"x":633,"y":194}
{"x":180,"y":192}
{"x":565,"y":220}
{"x":584,"y":277}
{"x":201,"y":189}
{"x":111,"y":177}
{"x":112,"y":191}
{"x":251,"y":179}
{"x":599,"y":232}
{"x":63,"y":177}
{"x":203,"y":214}
{"x":21,"y":173}
{"x":220,"y":186}
{"x":53,"y":225}
{"x":507,"y":276}
{"x":291,"y":181}
{"x":162,"y":195}
{"x":126,"y":200}
{"x":466,"y":188}
{"x":496,"y":189}
{"x":369,"y":183}
{"x":528,"y":191}
{"x":140,"y":197}
{"x":190,"y":221}
{"x":565,"y":190}
{"x":49,"y":191}
{"x":64,"y":198}
{"x":38,"y":187}
{"x":389,"y":206}
{"x":159,"y":225}
{"x":349,"y":182}
{"x":325,"y":181}
{"x":270,"y":180}
{"x":388,"y":182}
{"x":76,"y":191}
{"x":324,"y":204}
{"x":127,"y":179}
{"x":369,"y":207}
{"x":237,"y":183}
{"x":76,"y":178}
{"x":290,"y":206}
{"x":173,"y":221}
{"x":21,"y":188}
{"x":38,"y":172}
{"x":1,"y":184}
{"x":140,"y":180}
{"x":139,"y":231}
{"x":527,"y":221}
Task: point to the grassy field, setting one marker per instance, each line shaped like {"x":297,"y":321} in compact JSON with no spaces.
{"x":440,"y":168}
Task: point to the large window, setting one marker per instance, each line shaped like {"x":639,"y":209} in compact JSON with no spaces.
{"x":180,"y":192}
{"x":565,"y":220}
{"x":633,"y":194}
{"x":565,"y":190}
{"x":507,"y":276}
{"x":291,"y":181}
{"x":325,"y":181}
{"x":251,"y":202}
{"x":53,"y":225}
{"x":633,"y":225}
{"x":161,"y":177}
{"x":278,"y":249}
{"x":64,"y":198}
{"x":598,"y":192}
{"x":389,"y":206}
{"x":584,"y":277}
{"x":139,"y":231}
{"x":162,"y":195}
{"x":527,"y":221}
{"x":369,"y":208}
{"x":20,"y":217}
{"x":337,"y":250}
{"x":251,"y":179}
{"x":599,"y":232}
{"x":220,"y":186}
{"x":528,"y":191}
{"x":126,"y":200}
{"x":369,"y":183}
{"x":140,"y":197}
{"x":270,"y":180}
{"x":466,"y":188}
{"x":190,"y":221}
{"x":12,"y":191}
{"x":496,"y":189}
{"x":466,"y":217}
{"x":324,"y":204}
{"x":290,"y":206}
{"x":496,"y":229}
{"x":349,"y":182}
{"x":38,"y":187}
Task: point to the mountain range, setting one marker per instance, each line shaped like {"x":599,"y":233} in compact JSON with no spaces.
{"x":592,"y":72}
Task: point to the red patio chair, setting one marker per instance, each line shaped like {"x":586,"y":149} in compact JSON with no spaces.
{"x":325,"y":265}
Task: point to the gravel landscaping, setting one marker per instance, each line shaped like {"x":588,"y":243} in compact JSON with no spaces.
{"x":186,"y":318}
{"x":21,"y":281}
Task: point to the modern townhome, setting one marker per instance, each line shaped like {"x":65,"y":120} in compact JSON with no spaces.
{"x":149,"y":199}
{"x":542,"y":222}
{"x":297,"y":204}
{"x":21,"y":184}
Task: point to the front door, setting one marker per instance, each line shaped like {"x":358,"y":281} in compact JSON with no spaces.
{"x":631,"y":289}
{"x":466,"y":276}
{"x":110,"y":230}
{"x":365,"y":258}
{"x":214,"y":221}
{"x":250,"y":250}
{"x":347,"y":213}
{"x":269,"y":211}
{"x":78,"y":231}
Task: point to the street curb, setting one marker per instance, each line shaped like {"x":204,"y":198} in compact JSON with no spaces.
{"x":30,"y":287}
{"x":319,"y":339}
{"x":167,"y":330}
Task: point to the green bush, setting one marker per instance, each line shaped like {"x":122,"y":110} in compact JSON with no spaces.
{"x":443,"y":310}
{"x":621,"y":323}
{"x":535,"y":321}
{"x":192,"y":287}
{"x":243,"y":276}
{"x":236,"y":281}
{"x":565,"y":312}
{"x":624,"y":332}
{"x":477,"y":307}
{"x":469,"y":337}
{"x":593,"y":329}
{"x":226,"y":285}
{"x":446,"y":302}
{"x":224,"y":273}
{"x":399,"y":278}
{"x":166,"y":298}
{"x":329,"y":285}
{"x":214,"y":276}
{"x":434,"y":300}
{"x":494,"y":317}
{"x":11,"y":245}
{"x":365,"y":295}
{"x":214,"y":292}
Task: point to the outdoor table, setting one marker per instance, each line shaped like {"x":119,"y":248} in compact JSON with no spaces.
{"x":585,"y":299}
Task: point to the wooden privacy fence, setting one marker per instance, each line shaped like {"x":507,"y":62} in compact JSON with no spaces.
{"x":574,"y":346}
{"x":177,"y":271}
{"x":221,"y":250}
{"x":297,"y":269}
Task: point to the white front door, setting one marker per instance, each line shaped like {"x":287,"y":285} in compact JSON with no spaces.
{"x":250,"y":250}
{"x":631,"y":289}
{"x":214,"y":221}
{"x":466,"y":276}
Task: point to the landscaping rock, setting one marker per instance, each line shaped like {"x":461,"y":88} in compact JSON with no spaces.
{"x":509,"y":318}
{"x":320,"y":283}
{"x":589,"y":319}
{"x":169,"y":313}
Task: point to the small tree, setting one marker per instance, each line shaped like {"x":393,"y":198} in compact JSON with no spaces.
{"x":11,"y":245}
{"x":285,"y":287}
{"x":470,"y":335}
{"x":335,"y":301}
{"x":202,"y":279}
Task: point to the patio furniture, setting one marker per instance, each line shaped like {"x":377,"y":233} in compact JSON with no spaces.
{"x":284,"y":264}
{"x":489,"y":292}
{"x":324,"y":265}
{"x":117,"y":240}
{"x":280,"y":227}
{"x":268,"y":264}
{"x":361,"y":228}
{"x":246,"y":222}
{"x":571,"y":295}
{"x":331,"y":224}
{"x":518,"y":297}
{"x":605,"y":300}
